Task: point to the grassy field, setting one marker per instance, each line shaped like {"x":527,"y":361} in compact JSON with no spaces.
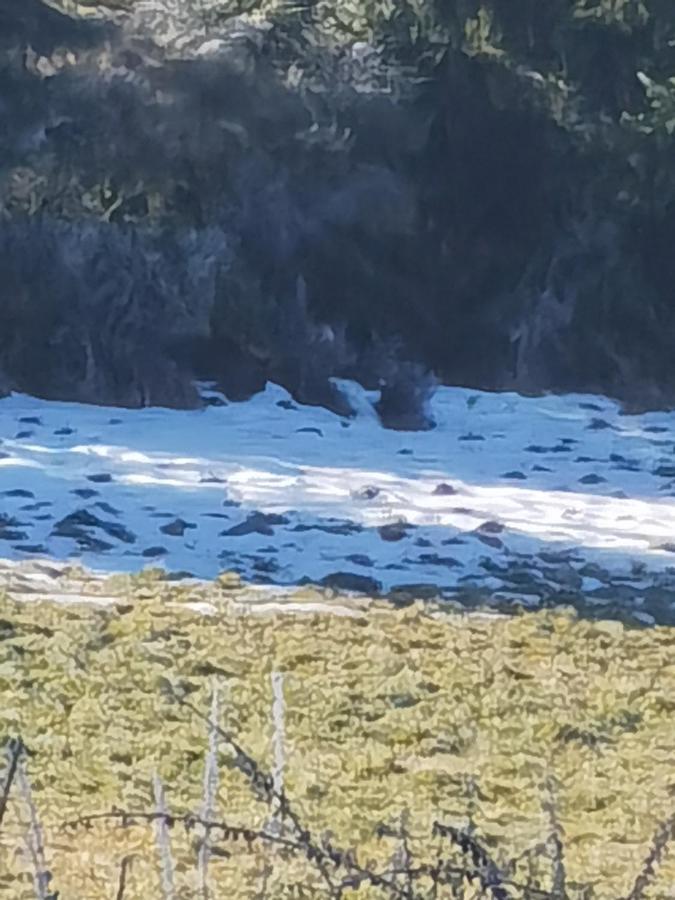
{"x":391,"y":716}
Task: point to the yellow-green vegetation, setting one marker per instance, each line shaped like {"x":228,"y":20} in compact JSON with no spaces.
{"x":413,"y":712}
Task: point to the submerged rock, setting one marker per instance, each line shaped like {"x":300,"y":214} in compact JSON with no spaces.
{"x":74,"y":525}
{"x":395,"y":531}
{"x":350,"y":581}
{"x":256,"y":523}
{"x":177,"y":528}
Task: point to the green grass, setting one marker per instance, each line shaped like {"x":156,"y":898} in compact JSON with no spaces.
{"x":436,"y":715}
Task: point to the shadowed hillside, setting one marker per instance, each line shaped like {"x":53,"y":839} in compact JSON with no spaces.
{"x":460,"y":190}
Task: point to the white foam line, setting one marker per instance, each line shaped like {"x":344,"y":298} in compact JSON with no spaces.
{"x":264,"y":461}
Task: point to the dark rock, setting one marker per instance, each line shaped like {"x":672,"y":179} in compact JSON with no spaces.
{"x":593,"y":570}
{"x":212,"y":479}
{"x":114,"y":529}
{"x":592,"y":479}
{"x":553,"y":557}
{"x":256,"y":523}
{"x":598,"y":425}
{"x":655,"y":429}
{"x":101,"y":478}
{"x":541,"y":469}
{"x":71,"y":525}
{"x":286,"y":404}
{"x":394,"y":531}
{"x":309,"y":430}
{"x":340,"y":528}
{"x":114,"y":421}
{"x":369,"y":492}
{"x":317,"y":390}
{"x":20,"y":435}
{"x":404,"y":399}
{"x":491,"y":527}
{"x":153,"y":552}
{"x":566,"y":575}
{"x":8,"y":521}
{"x":31,"y":548}
{"x":444,"y":490}
{"x":64,"y":431}
{"x":107,"y":508}
{"x":591,"y":406}
{"x":490,"y":540}
{"x":176,"y":528}
{"x":266,"y":566}
{"x":434,"y":559}
{"x":85,"y":493}
{"x":665,"y":471}
{"x":360,"y":559}
{"x":93,"y":544}
{"x":536,"y":448}
{"x":30,"y":420}
{"x":403,"y":595}
{"x":10,"y":534}
{"x":349,"y":581}
{"x":515,"y":475}
{"x":214,"y":401}
{"x":472,"y":437}
{"x":179,"y":575}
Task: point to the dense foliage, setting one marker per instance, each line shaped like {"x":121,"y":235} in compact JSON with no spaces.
{"x":478,"y":187}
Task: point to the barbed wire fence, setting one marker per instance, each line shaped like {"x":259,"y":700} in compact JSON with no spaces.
{"x":462,"y":858}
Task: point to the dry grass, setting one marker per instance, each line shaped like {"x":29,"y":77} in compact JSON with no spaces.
{"x":544,"y":738}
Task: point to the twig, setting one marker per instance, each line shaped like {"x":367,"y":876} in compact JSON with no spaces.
{"x":263,"y":786}
{"x":227,"y":831}
{"x":223,"y":830}
{"x":122,"y":883}
{"x":279,"y":732}
{"x":486,"y":869}
{"x":406,"y":854}
{"x":163,"y":840}
{"x":13,"y":751}
{"x":555,"y":841}
{"x":664,"y":835}
{"x":34,"y":839}
{"x":210,"y":791}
